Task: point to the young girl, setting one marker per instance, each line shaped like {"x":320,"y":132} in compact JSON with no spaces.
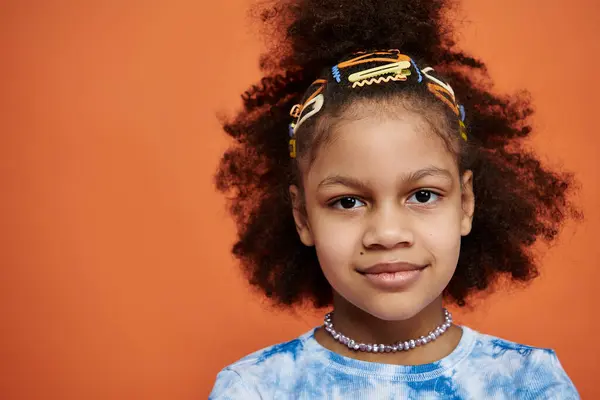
{"x":374,"y":171}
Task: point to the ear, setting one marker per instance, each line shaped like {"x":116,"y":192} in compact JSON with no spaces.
{"x":298,"y":209}
{"x":467,"y":202}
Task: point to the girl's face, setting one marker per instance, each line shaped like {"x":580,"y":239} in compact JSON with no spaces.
{"x":386,"y":193}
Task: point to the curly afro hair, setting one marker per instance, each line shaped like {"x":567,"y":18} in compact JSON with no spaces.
{"x":518,"y":199}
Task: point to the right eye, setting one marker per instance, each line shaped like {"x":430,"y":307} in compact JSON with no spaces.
{"x":347,"y":203}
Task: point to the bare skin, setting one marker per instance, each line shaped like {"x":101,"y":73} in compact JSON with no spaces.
{"x":386,"y":190}
{"x":388,"y":333}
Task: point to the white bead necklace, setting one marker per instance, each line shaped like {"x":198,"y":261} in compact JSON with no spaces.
{"x":384,"y":348}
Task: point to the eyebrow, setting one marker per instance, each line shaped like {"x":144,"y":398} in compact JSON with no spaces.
{"x":429,"y":171}
{"x":344,"y":181}
{"x":361,"y":185}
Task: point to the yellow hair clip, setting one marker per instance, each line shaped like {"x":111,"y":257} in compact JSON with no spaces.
{"x":400,"y":68}
{"x":462,"y":130}
{"x":381,"y":79}
{"x":292,"y":147}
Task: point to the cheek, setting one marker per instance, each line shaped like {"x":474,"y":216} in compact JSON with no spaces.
{"x":337,"y":240}
{"x":442,"y":235}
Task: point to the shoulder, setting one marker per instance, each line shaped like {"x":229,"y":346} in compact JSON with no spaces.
{"x":499,"y":348}
{"x":243,"y":378}
{"x":533,"y":372}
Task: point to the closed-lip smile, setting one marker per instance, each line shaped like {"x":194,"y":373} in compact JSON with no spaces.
{"x":394,"y":277}
{"x":391,"y":268}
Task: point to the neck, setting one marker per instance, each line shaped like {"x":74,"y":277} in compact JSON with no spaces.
{"x":364,"y":327}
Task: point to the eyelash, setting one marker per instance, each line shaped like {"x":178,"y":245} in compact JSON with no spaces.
{"x":333,"y":203}
{"x":337,"y":201}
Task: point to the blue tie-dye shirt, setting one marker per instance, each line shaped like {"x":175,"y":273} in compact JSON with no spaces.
{"x":481,"y":367}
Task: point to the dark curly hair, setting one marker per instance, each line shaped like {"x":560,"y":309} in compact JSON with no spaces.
{"x":518,"y":199}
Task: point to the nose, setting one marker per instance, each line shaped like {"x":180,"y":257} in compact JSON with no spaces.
{"x":388,"y":227}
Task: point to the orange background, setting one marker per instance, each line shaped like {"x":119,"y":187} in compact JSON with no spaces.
{"x":116,"y":278}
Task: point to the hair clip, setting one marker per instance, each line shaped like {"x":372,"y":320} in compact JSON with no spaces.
{"x":379,"y":80}
{"x":335,"y":71}
{"x":296,"y":110}
{"x":292,"y":147}
{"x":414,"y":64}
{"x":442,"y":94}
{"x":374,"y":57}
{"x":317,"y":103}
{"x":462,"y":130}
{"x":400,"y":68}
{"x":447,"y":87}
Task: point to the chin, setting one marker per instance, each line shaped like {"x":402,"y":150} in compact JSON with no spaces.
{"x":395,"y":315}
{"x":399,"y":310}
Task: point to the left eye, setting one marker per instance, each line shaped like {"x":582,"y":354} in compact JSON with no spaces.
{"x":424,"y":197}
{"x":347,"y":203}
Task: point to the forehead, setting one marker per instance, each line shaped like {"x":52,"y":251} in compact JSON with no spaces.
{"x":381,"y":148}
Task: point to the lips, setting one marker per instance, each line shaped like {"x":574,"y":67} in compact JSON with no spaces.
{"x":393,"y":276}
{"x":391,"y":268}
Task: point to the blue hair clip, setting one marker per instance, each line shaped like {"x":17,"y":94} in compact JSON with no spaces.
{"x":461,"y":108}
{"x":335,"y":71}
{"x":417,"y":69}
